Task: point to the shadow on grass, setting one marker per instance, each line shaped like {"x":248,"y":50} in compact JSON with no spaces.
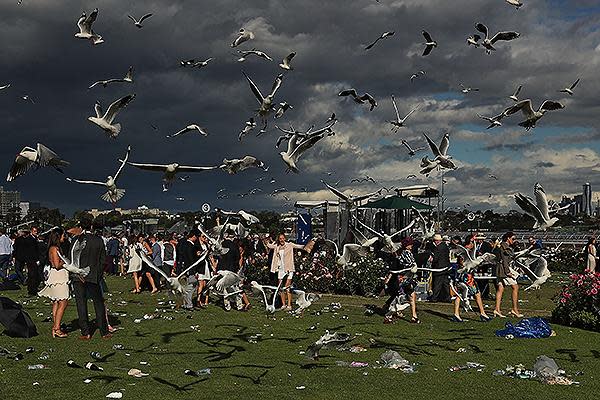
{"x":178,"y":387}
{"x":108,"y":379}
{"x":256,"y":381}
{"x":167,"y":337}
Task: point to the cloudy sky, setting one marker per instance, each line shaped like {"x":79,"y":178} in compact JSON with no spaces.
{"x":40,"y":57}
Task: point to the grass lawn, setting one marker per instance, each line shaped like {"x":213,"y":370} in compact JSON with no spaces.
{"x":271,"y":366}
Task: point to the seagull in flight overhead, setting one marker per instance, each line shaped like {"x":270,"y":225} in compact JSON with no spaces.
{"x":266,"y":102}
{"x":248,"y":126}
{"x":473,"y":40}
{"x":36,"y":158}
{"x":260,"y":54}
{"x":532,"y":116}
{"x":105,"y":121}
{"x":350,"y":200}
{"x":382,"y":36}
{"x":494,"y":121}
{"x":243,"y":36}
{"x":5,"y":86}
{"x":286,"y":62}
{"x":427,"y":166}
{"x":389,"y":246}
{"x":417,"y":75}
{"x":85,"y":28}
{"x":138,"y":23}
{"x":399,"y":122}
{"x":190,"y":128}
{"x":538,"y":210}
{"x":515,"y":96}
{"x":569,"y":90}
{"x":113,"y":194}
{"x":466,"y":90}
{"x":429,"y":43}
{"x":359,"y":99}
{"x":411,"y":151}
{"x":283,"y":107}
{"x":488,"y":43}
{"x":169,"y":170}
{"x":517,"y":3}
{"x":441,"y":152}
{"x":300,"y":143}
{"x":128,"y":78}
{"x":236,"y":165}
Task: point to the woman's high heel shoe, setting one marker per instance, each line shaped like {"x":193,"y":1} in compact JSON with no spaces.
{"x":499,"y":314}
{"x":484,"y":318}
{"x":515,"y":314}
{"x":57,"y":333}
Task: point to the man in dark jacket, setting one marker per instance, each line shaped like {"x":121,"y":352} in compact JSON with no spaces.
{"x":440,"y":280}
{"x":187,"y":255}
{"x":27,"y":255}
{"x":230,"y":261}
{"x":93,"y":256}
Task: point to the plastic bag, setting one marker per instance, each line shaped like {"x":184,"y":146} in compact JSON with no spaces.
{"x":545,"y":368}
{"x":527,"y":328}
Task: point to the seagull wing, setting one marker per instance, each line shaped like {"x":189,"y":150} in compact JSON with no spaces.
{"x":86,"y":182}
{"x":98,"y":109}
{"x":551,"y":105}
{"x":187,"y":168}
{"x":505,"y":36}
{"x":348,"y":92}
{"x":276,"y":84}
{"x":180,"y":132}
{"x":527,"y":205}
{"x":482,"y":28}
{"x":48,"y":158}
{"x":19,"y":167}
{"x":335,"y":191}
{"x":148,"y":261}
{"x":304,"y":145}
{"x":133,"y":19}
{"x":123,"y":163}
{"x":410,"y":113}
{"x":516,"y":94}
{"x":541,"y":200}
{"x":434,"y":148}
{"x":148,"y":167}
{"x":427,"y":36}
{"x":289,"y":57}
{"x":445,"y":144}
{"x":254,"y":89}
{"x":145,"y":17}
{"x":373,"y":231}
{"x":116,"y":106}
{"x":407,"y":227}
{"x":524,"y":106}
{"x":575,"y":84}
{"x":373,"y":44}
{"x":396,"y":108}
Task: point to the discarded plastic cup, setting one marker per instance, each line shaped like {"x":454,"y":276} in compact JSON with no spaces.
{"x":36,"y":366}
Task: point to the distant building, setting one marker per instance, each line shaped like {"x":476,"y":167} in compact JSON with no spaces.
{"x":586,"y":200}
{"x":141,"y":210}
{"x":8,"y":201}
{"x":27,"y":206}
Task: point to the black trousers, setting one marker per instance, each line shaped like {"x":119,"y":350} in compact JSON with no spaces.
{"x":440,"y":287}
{"x":34,"y":277}
{"x":82,"y":291}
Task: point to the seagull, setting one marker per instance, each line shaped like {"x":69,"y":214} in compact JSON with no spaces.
{"x":427,"y":165}
{"x":138,"y":23}
{"x":532,"y":117}
{"x":352,"y":251}
{"x":466,"y":90}
{"x":215,"y":245}
{"x":225,"y":282}
{"x":269,"y":306}
{"x":383,"y":36}
{"x":539,"y":210}
{"x":411,"y":176}
{"x":515,"y":95}
{"x":180,"y":198}
{"x":246,"y":216}
{"x":113,"y":194}
{"x":536,"y":270}
{"x":245,"y":53}
{"x":304,"y":300}
{"x":38,"y":158}
{"x":190,"y":128}
{"x":569,"y":90}
{"x":85,"y":28}
{"x":359,"y":99}
{"x":470,"y":259}
{"x":298,"y":144}
{"x":350,"y":200}
{"x":128,"y":78}
{"x":248,"y":126}
{"x":201,"y":64}
{"x":26,"y":97}
{"x":331,"y":118}
{"x":417,"y":75}
{"x":243,"y":36}
{"x":106,"y":121}
{"x":411,"y":151}
{"x":494,"y":177}
{"x":399,"y":122}
{"x":326,"y":341}
{"x":169,"y":170}
{"x":516,"y":3}
{"x":494,"y":121}
{"x":266,"y":102}
{"x":427,"y":229}
{"x":283,"y":107}
{"x":429,"y":43}
{"x":489,"y":43}
{"x":236,"y":165}
{"x":5,"y":86}
{"x":177,"y":284}
{"x":285,"y":63}
{"x":473,"y":40}
{"x":441,"y":152}
{"x":72,"y":264}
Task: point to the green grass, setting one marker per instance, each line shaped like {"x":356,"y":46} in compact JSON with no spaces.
{"x":170,"y":346}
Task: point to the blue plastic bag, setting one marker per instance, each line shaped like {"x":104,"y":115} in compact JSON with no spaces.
{"x":529,"y":328}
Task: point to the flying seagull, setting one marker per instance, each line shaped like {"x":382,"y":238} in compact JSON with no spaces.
{"x":283,"y":107}
{"x":429,"y":43}
{"x":285,"y":63}
{"x":128,"y":78}
{"x":473,"y":40}
{"x":190,"y":128}
{"x":383,"y":36}
{"x":353,"y":251}
{"x":488,"y":43}
{"x":517,"y":3}
{"x":177,"y":284}
{"x":260,"y":54}
{"x":5,"y":86}
{"x":248,"y":126}
{"x":106,"y":121}
{"x":389,"y":246}
{"x":300,"y":143}
{"x":359,"y":99}
{"x":538,"y":210}
{"x":266,"y":102}
{"x":441,"y":152}
{"x":411,"y":151}
{"x":494,"y":121}
{"x":399,"y":122}
{"x":29,"y":158}
{"x":427,"y":229}
{"x":243,"y":36}
{"x":427,"y":166}
{"x":304,"y":300}
{"x":569,"y":90}
{"x":72,"y":264}
{"x":532,"y":117}
{"x":113,"y":194}
{"x":350,"y":200}
{"x":269,"y":305}
{"x":169,"y":170}
{"x":195,"y":63}
{"x":85,"y":28}
{"x":471,"y":261}
{"x":138,"y":23}
{"x":417,"y":75}
{"x":236,"y":165}
{"x":466,"y":90}
{"x":328,"y":340}
{"x":515,"y":96}
{"x":536,"y":270}
{"x":246,"y":216}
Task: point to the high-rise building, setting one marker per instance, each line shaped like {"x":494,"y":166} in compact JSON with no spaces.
{"x":9,"y":200}
{"x":587,"y":199}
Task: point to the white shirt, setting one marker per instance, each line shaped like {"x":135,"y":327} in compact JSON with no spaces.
{"x":281,"y":254}
{"x":6,"y":246}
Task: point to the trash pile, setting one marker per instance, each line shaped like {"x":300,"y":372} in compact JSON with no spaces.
{"x":470,"y":365}
{"x":393,"y":360}
{"x":544,"y":370}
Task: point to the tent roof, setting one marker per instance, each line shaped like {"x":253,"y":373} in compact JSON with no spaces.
{"x":396,"y":203}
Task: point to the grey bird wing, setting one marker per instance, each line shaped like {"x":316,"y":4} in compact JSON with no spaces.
{"x":148,"y":167}
{"x":188,"y":168}
{"x":541,"y":200}
{"x":524,"y":106}
{"x":551,"y":105}
{"x":259,"y":97}
{"x":123,"y":163}
{"x":427,"y":36}
{"x":482,"y":28}
{"x":116,"y":106}
{"x":434,"y":148}
{"x":348,"y":92}
{"x":505,"y":36}
{"x":276,"y":84}
{"x":445,"y":144}
{"x":145,"y":17}
{"x":575,"y":84}
{"x":336,"y":192}
{"x":527,"y":205}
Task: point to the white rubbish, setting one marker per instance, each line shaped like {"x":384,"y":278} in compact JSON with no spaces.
{"x":114,"y":395}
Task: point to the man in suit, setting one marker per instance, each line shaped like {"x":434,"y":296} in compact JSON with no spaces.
{"x":187,"y":254}
{"x":440,"y":261}
{"x":27,"y":254}
{"x":93,"y":255}
{"x":230,"y":261}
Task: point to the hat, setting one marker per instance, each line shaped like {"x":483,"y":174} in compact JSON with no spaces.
{"x":407,"y":241}
{"x":437,"y":237}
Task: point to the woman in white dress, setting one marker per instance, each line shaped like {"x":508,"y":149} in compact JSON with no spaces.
{"x":57,"y":284}
{"x":135,"y":262}
{"x":591,"y":255}
{"x":205,"y":271}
